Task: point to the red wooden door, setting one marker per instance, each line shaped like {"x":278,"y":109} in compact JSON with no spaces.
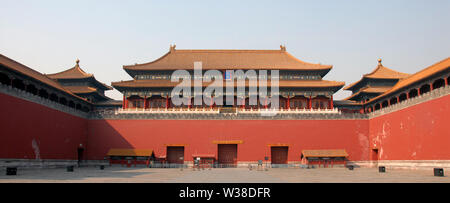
{"x":227,"y":154}
{"x":279,"y":155}
{"x":175,"y":155}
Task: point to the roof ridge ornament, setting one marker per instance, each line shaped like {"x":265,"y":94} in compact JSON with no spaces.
{"x":78,"y":62}
{"x":379,"y":62}
{"x":283,"y":48}
{"x":172,"y":48}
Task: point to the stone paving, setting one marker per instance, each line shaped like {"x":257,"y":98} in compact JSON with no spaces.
{"x":230,"y":175}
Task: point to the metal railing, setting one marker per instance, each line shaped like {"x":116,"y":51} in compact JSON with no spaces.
{"x":167,"y":110}
{"x":207,"y":110}
{"x":167,"y":165}
{"x":292,"y":110}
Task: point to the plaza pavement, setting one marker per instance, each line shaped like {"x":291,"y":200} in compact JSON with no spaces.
{"x":117,"y":174}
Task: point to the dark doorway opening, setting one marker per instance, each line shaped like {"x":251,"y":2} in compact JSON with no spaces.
{"x":438,"y":83}
{"x":374,"y":154}
{"x":425,"y":88}
{"x":80,"y":153}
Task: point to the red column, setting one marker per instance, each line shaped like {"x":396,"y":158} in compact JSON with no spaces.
{"x":398,"y":99}
{"x":310,"y":102}
{"x":167,"y":102}
{"x":446,"y":81}
{"x":126,"y":103}
{"x":189,"y":103}
{"x":431,"y":86}
{"x":418,"y":92}
{"x":289,"y":102}
{"x":145,"y":102}
{"x":243,"y":103}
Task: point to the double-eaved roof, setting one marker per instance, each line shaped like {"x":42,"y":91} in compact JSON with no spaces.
{"x":24,"y":70}
{"x":228,"y":60}
{"x":380,"y":72}
{"x":434,"y":69}
{"x":77,"y":73}
{"x":81,"y":83}
{"x":378,"y":85}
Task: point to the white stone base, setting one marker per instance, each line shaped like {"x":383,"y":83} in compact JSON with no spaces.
{"x":405,"y":164}
{"x":33,"y":163}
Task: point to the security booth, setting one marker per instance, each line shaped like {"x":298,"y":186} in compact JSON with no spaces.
{"x":130,"y":157}
{"x":326,"y":158}
{"x":204,"y":160}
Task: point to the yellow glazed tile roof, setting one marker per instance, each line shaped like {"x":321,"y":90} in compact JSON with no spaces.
{"x":431,"y":70}
{"x":282,"y":83}
{"x":18,"y":67}
{"x":129,"y":152}
{"x":75,"y":72}
{"x":380,"y":72}
{"x":228,"y":59}
{"x":325,"y":153}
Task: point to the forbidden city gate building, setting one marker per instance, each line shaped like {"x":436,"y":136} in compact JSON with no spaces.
{"x":300,"y":83}
{"x":66,"y":116}
{"x":301,"y":87}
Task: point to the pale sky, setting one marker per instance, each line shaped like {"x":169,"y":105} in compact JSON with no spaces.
{"x":48,"y":36}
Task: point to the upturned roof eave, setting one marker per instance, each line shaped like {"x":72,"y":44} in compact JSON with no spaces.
{"x":122,"y":86}
{"x":416,"y":77}
{"x":144,"y":66}
{"x":31,"y":73}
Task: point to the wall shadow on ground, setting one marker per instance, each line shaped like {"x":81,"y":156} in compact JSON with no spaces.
{"x":61,"y":174}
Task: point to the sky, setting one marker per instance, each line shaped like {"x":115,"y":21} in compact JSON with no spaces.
{"x":48,"y":36}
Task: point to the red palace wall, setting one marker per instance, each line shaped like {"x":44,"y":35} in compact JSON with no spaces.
{"x":30,"y":130}
{"x":256,"y":136}
{"x":419,"y":132}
